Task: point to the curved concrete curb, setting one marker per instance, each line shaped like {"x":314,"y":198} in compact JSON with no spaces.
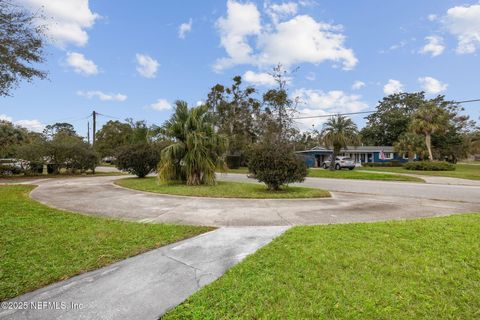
{"x":350,"y":203}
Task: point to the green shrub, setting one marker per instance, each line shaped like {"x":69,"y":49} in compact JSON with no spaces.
{"x":138,"y":159}
{"x":275,"y":164}
{"x":429,"y":166}
{"x":393,"y":163}
{"x":233,"y":162}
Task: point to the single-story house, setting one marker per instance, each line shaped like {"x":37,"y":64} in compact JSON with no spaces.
{"x":361,"y":154}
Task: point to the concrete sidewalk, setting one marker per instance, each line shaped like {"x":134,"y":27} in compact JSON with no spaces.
{"x":147,"y":285}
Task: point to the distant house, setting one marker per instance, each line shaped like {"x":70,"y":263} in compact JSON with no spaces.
{"x":361,"y":154}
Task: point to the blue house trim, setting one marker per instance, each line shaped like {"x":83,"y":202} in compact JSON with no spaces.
{"x":316,"y":156}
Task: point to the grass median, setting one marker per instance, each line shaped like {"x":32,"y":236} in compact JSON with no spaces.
{"x":346,"y":174}
{"x":40,"y":245}
{"x":222,"y":189}
{"x":462,"y":171}
{"x":416,"y":269}
{"x":358,"y":175}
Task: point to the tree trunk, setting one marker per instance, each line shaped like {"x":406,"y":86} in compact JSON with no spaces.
{"x":334,"y":156}
{"x":411,"y":156}
{"x":428,"y":142}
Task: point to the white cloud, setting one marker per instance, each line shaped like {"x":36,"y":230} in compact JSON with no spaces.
{"x":393,"y":86}
{"x":297,"y":40}
{"x":431,"y":85}
{"x":434,"y":46}
{"x":261,"y":78}
{"x":242,"y":21}
{"x":66,"y":21}
{"x":302,"y":39}
{"x":199,"y":103}
{"x":4,"y":117}
{"x":102,"y":96}
{"x":147,"y":66}
{"x":32,"y":125}
{"x":160,"y":105}
{"x":317,"y":102}
{"x":184,"y":28}
{"x":358,"y":85}
{"x":280,"y":11}
{"x":463,"y":22}
{"x":80,"y":64}
{"x":432,"y":17}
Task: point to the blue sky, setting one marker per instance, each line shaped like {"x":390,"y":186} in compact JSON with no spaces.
{"x":126,"y":59}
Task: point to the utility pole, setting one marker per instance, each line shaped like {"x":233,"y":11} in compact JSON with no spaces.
{"x":94,"y":116}
{"x":88,"y":132}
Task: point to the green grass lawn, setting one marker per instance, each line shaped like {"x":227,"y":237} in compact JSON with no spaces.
{"x":416,"y":269}
{"x":40,"y":245}
{"x":354,"y":174}
{"x":345,"y":174}
{"x":221,"y":190}
{"x":18,"y":177}
{"x":464,"y":171}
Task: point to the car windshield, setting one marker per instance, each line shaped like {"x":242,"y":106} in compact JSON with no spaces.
{"x":346,"y":159}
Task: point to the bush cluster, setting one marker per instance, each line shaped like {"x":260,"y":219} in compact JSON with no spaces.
{"x":393,"y":163}
{"x":429,"y":166}
{"x":275,"y":164}
{"x":138,"y":159}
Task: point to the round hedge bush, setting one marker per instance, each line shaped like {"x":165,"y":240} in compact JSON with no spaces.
{"x":275,"y":164}
{"x":138,"y":159}
{"x":429,"y":166}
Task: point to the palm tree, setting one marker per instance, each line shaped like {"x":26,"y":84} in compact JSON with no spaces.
{"x":427,"y":120}
{"x":198,"y":150}
{"x":338,"y":132}
{"x":410,"y":144}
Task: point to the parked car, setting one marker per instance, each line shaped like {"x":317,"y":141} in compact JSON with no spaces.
{"x":340,"y":163}
{"x":10,"y":166}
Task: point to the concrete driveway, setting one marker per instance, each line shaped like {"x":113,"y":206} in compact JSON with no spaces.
{"x":352,"y":201}
{"x":146,"y":286}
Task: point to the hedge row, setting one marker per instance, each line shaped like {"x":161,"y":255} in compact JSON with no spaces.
{"x":429,"y":166}
{"x":394,"y":163}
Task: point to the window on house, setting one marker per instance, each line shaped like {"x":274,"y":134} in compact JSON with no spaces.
{"x":388,"y":155}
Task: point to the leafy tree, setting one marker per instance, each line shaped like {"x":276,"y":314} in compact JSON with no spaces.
{"x":112,"y":136}
{"x":11,"y":136}
{"x":21,"y":45}
{"x":411,"y":144}
{"x":140,"y":131}
{"x":475,"y":142}
{"x":338,"y":132}
{"x":35,"y":153}
{"x":427,"y":120}
{"x":275,"y":164}
{"x":70,"y":152}
{"x":139,"y":159}
{"x":235,"y":110}
{"x":393,"y":116}
{"x":64,"y":128}
{"x":279,"y":109}
{"x":197,"y":151}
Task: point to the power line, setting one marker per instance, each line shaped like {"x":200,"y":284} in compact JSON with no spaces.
{"x":364,"y":112}
{"x":332,"y":115}
{"x":106,"y":115}
{"x":467,"y":101}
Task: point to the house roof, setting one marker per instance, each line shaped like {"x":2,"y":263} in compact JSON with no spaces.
{"x":352,"y":149}
{"x":369,"y":148}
